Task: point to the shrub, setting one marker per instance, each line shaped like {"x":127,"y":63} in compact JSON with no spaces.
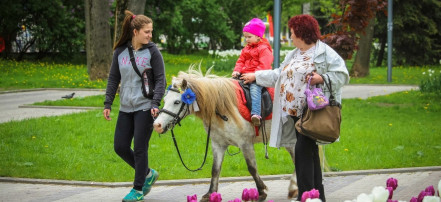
{"x":431,"y":82}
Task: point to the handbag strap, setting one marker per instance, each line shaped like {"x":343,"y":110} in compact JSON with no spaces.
{"x":132,"y":60}
{"x":332,"y":100}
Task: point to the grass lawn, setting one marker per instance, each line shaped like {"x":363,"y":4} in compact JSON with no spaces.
{"x":392,"y":131}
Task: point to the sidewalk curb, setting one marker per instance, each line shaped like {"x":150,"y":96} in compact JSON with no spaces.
{"x":58,"y":107}
{"x":207,"y":180}
{"x":42,"y":89}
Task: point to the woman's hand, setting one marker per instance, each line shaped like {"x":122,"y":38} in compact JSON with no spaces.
{"x":235,"y":74}
{"x":155,"y":112}
{"x":248,"y":78}
{"x":106,"y":114}
{"x":315,"y":79}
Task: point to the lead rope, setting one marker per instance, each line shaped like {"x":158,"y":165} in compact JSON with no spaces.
{"x":265,"y":138}
{"x":206,"y":150}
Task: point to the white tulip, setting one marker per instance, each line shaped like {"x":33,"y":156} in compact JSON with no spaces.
{"x":365,"y":198}
{"x":380,"y":194}
{"x":431,"y":199}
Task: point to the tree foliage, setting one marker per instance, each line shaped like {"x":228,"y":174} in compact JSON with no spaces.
{"x":355,"y":16}
{"x":416,"y":32}
{"x":52,"y":26}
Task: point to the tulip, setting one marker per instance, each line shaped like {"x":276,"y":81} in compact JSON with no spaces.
{"x":314,"y":193}
{"x":245,"y":195}
{"x":391,"y":192}
{"x":413,"y":199}
{"x":380,"y":194}
{"x":305,"y":195}
{"x":193,"y":198}
{"x":392,"y":182}
{"x":215,"y":197}
{"x":236,"y":200}
{"x":254,"y":194}
{"x":431,"y":199}
{"x":430,"y":190}
{"x":364,"y":197}
{"x":422,"y":195}
{"x":439,"y":188}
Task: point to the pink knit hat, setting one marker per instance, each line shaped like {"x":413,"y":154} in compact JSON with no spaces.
{"x":255,"y":26}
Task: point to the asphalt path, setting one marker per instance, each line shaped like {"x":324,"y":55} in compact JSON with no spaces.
{"x":16,"y":105}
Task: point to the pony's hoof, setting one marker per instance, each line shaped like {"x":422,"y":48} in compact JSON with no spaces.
{"x":262,"y":197}
{"x":205,"y":198}
{"x":293,"y":193}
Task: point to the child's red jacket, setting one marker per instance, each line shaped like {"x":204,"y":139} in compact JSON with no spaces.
{"x":258,"y":56}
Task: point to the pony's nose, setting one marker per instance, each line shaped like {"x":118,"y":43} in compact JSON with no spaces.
{"x":158,"y":128}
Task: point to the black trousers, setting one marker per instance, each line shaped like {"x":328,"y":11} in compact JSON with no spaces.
{"x":307,"y":161}
{"x":136,"y":126}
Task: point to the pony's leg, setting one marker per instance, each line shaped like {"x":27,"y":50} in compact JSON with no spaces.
{"x":218,"y":157}
{"x":293,"y":190}
{"x":250,"y":158}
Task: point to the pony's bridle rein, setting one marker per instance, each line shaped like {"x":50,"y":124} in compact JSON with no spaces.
{"x":177,"y":120}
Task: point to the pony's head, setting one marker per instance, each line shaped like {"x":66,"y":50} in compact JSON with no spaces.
{"x":204,"y":95}
{"x":178,"y":103}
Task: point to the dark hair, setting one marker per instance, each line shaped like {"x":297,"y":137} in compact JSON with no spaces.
{"x":130,"y":23}
{"x":305,"y":27}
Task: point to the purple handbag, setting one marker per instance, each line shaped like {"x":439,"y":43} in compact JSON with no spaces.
{"x":315,"y":98}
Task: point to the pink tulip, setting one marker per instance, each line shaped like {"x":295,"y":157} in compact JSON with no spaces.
{"x":391,"y":192}
{"x":314,"y":193}
{"x":422,"y":195}
{"x":430,"y":190}
{"x":392,"y":182}
{"x":193,"y":198}
{"x":254,"y":194}
{"x":215,"y":197}
{"x":236,"y":200}
{"x":413,"y":199}
{"x":245,"y":195}
{"x":305,"y":195}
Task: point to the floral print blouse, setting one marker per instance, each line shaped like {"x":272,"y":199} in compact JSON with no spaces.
{"x":293,"y":82}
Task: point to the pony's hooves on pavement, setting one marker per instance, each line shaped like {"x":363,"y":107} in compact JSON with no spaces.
{"x":205,"y":198}
{"x":293,"y":194}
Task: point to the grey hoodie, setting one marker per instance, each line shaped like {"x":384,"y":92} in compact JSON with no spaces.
{"x":131,"y":98}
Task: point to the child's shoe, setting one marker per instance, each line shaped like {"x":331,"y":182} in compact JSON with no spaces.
{"x":133,"y":196}
{"x":256,"y":119}
{"x":149,"y":181}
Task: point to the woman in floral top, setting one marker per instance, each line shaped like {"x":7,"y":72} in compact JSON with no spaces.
{"x":311,"y":59}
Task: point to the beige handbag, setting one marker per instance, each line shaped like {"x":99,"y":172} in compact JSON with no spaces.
{"x":322,"y":125}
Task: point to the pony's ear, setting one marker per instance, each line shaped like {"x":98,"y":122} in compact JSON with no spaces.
{"x":184,"y":84}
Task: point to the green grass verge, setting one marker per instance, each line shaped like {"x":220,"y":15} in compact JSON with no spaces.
{"x":397,"y":130}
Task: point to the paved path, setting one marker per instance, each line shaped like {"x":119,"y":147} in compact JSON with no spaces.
{"x":13,"y":104}
{"x":339,"y":186}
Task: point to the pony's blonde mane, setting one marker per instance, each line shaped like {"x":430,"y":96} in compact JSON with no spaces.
{"x":213,"y":93}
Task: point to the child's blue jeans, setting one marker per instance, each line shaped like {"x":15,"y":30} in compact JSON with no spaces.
{"x":256,"y":96}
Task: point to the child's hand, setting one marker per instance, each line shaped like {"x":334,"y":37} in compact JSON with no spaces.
{"x":235,"y":74}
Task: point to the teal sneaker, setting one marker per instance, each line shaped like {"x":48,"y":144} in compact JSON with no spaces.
{"x":133,"y":196}
{"x":149,"y":181}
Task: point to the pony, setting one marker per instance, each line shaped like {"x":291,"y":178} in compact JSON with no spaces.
{"x":215,"y":99}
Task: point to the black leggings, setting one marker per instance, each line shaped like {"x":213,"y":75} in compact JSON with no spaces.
{"x":308,"y":170}
{"x":137,"y":126}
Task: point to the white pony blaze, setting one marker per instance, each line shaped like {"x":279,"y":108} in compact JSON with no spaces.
{"x":216,"y":98}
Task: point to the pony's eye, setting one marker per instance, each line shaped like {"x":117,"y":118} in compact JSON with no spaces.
{"x":177,"y":102}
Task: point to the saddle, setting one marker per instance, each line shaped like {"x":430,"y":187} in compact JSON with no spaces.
{"x":244,"y":101}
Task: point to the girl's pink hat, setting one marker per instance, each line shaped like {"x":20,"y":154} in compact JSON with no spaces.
{"x":255,"y":26}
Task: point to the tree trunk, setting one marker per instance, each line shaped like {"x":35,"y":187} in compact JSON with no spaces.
{"x":121,"y":6}
{"x":98,"y":40}
{"x":360,"y":68}
{"x":134,"y":6}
